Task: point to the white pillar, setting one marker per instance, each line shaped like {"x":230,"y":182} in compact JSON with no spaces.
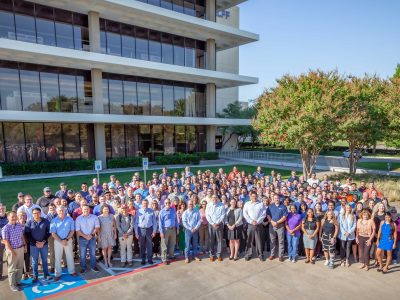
{"x":210,"y":10}
{"x":94,"y":31}
{"x":210,"y":106}
{"x":211,"y":131}
{"x":211,"y":62}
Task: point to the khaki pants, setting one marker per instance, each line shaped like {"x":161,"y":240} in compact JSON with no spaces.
{"x":203,"y":233}
{"x":59,"y":248}
{"x":126,"y":248}
{"x":168,"y":244}
{"x":15,"y":266}
{"x":51,"y":251}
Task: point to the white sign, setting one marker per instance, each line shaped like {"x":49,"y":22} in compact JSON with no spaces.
{"x":145,"y":162}
{"x":1,"y":172}
{"x":98,"y":165}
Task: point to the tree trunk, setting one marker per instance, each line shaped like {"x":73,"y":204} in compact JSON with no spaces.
{"x":309,"y":159}
{"x":352,"y":163}
{"x":374,"y":148}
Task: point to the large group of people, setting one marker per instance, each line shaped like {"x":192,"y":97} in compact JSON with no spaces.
{"x":234,"y":214}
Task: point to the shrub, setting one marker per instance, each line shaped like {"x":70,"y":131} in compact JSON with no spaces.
{"x":178,"y":159}
{"x":124,"y":162}
{"x":47,"y":167}
{"x":207,"y":155}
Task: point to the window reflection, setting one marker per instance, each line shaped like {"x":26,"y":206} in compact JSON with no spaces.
{"x":10,"y":94}
{"x":14,"y":142}
{"x":30,"y":88}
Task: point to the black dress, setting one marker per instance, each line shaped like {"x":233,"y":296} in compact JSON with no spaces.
{"x":236,"y":233}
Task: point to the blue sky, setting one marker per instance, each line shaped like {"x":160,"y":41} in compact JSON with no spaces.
{"x":353,"y":36}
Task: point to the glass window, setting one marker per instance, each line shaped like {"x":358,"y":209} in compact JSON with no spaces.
{"x":143,"y":98}
{"x":107,"y":133}
{"x":179,"y":101}
{"x":128,"y":46}
{"x":166,"y":4}
{"x":34,"y":140}
{"x":84,"y":87}
{"x":156,"y":99}
{"x":25,"y":28}
{"x":72,"y":148}
{"x":68,"y":97}
{"x":177,"y":5}
{"x":2,"y":157}
{"x":200,"y":54}
{"x":81,"y":32}
{"x":190,"y":98}
{"x":191,"y":138}
{"x":155,"y":46}
{"x":30,"y":90}
{"x":117,"y":140}
{"x":189,"y":7}
{"x":158,"y":140}
{"x":179,"y":51}
{"x":86,"y":134}
{"x":103,"y":42}
{"x":200,"y":104}
{"x":132,"y":140}
{"x":10,"y":93}
{"x":53,"y":141}
{"x":154,"y":2}
{"x":113,"y":38}
{"x":50,"y":92}
{"x":180,"y":139}
{"x":190,"y":53}
{"x":142,"y":43}
{"x":14,"y":142}
{"x":201,"y":138}
{"x":64,"y":35}
{"x":7,"y":27}
{"x":106,"y":101}
{"x":200,"y":8}
{"x":130,"y":98}
{"x":167,"y":48}
{"x":168,"y":100}
{"x":45,"y":32}
{"x":116,"y":96}
{"x":145,"y":140}
{"x":169,"y":139}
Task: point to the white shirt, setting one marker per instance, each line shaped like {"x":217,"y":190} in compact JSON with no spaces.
{"x":28,"y":211}
{"x":254,"y":211}
{"x":311,"y":181}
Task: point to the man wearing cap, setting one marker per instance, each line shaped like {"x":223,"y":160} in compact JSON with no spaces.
{"x":125,"y":227}
{"x":19,"y":203}
{"x":62,"y":192}
{"x":87,"y":226}
{"x":70,"y":196}
{"x":13,"y":239}
{"x":45,"y":200}
{"x":121,"y":194}
{"x":28,"y":207}
{"x":62,"y":229}
{"x":145,"y":230}
{"x":3,"y":222}
{"x":168,"y":222}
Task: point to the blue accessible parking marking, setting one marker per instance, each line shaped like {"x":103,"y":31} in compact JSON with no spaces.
{"x":49,"y":287}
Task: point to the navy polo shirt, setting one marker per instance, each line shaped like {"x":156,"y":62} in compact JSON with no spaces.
{"x":277,"y":212}
{"x":37,"y":231}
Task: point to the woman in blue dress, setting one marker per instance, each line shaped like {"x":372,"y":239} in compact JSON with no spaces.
{"x":387,"y":237}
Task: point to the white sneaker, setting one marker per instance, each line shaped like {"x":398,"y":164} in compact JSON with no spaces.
{"x":293,"y":260}
{"x":394,"y":262}
{"x":326,"y":262}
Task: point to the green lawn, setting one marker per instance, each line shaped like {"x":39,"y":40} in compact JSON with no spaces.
{"x":379,"y":166}
{"x":9,"y":190}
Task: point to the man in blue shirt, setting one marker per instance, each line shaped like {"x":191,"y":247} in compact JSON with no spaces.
{"x":62,"y":192}
{"x":37,"y":231}
{"x":62,"y":229}
{"x":102,"y":201}
{"x":168,"y":222}
{"x":215,"y":215}
{"x":145,"y":229}
{"x":191,"y":222}
{"x":276,"y":214}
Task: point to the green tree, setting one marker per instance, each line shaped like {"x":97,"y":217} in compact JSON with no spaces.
{"x":302,"y":112}
{"x":391,"y":103}
{"x":362,"y":119}
{"x":235,"y":111}
{"x":397,"y":72}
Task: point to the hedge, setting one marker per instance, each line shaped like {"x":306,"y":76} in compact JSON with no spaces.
{"x":124,"y":162}
{"x":178,"y":159}
{"x":208,"y":155}
{"x":46,"y":167}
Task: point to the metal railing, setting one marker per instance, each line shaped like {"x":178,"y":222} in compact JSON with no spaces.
{"x":288,"y":159}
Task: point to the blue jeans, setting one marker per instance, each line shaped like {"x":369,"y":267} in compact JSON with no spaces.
{"x":194,"y":236}
{"x":396,"y":252}
{"x":293,"y":243}
{"x":85,"y":244}
{"x":35,"y":251}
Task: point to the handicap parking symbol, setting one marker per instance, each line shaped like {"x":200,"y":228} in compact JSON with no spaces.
{"x":45,"y":288}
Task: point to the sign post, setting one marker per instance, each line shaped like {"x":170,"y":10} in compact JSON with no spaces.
{"x":145,"y":163}
{"x":1,"y":172}
{"x":98,"y":166}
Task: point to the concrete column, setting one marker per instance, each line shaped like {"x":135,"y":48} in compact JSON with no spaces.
{"x":97,"y":91}
{"x":94,"y":31}
{"x":210,"y":10}
{"x":211,"y":131}
{"x":211,"y":62}
{"x":100,"y":143}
